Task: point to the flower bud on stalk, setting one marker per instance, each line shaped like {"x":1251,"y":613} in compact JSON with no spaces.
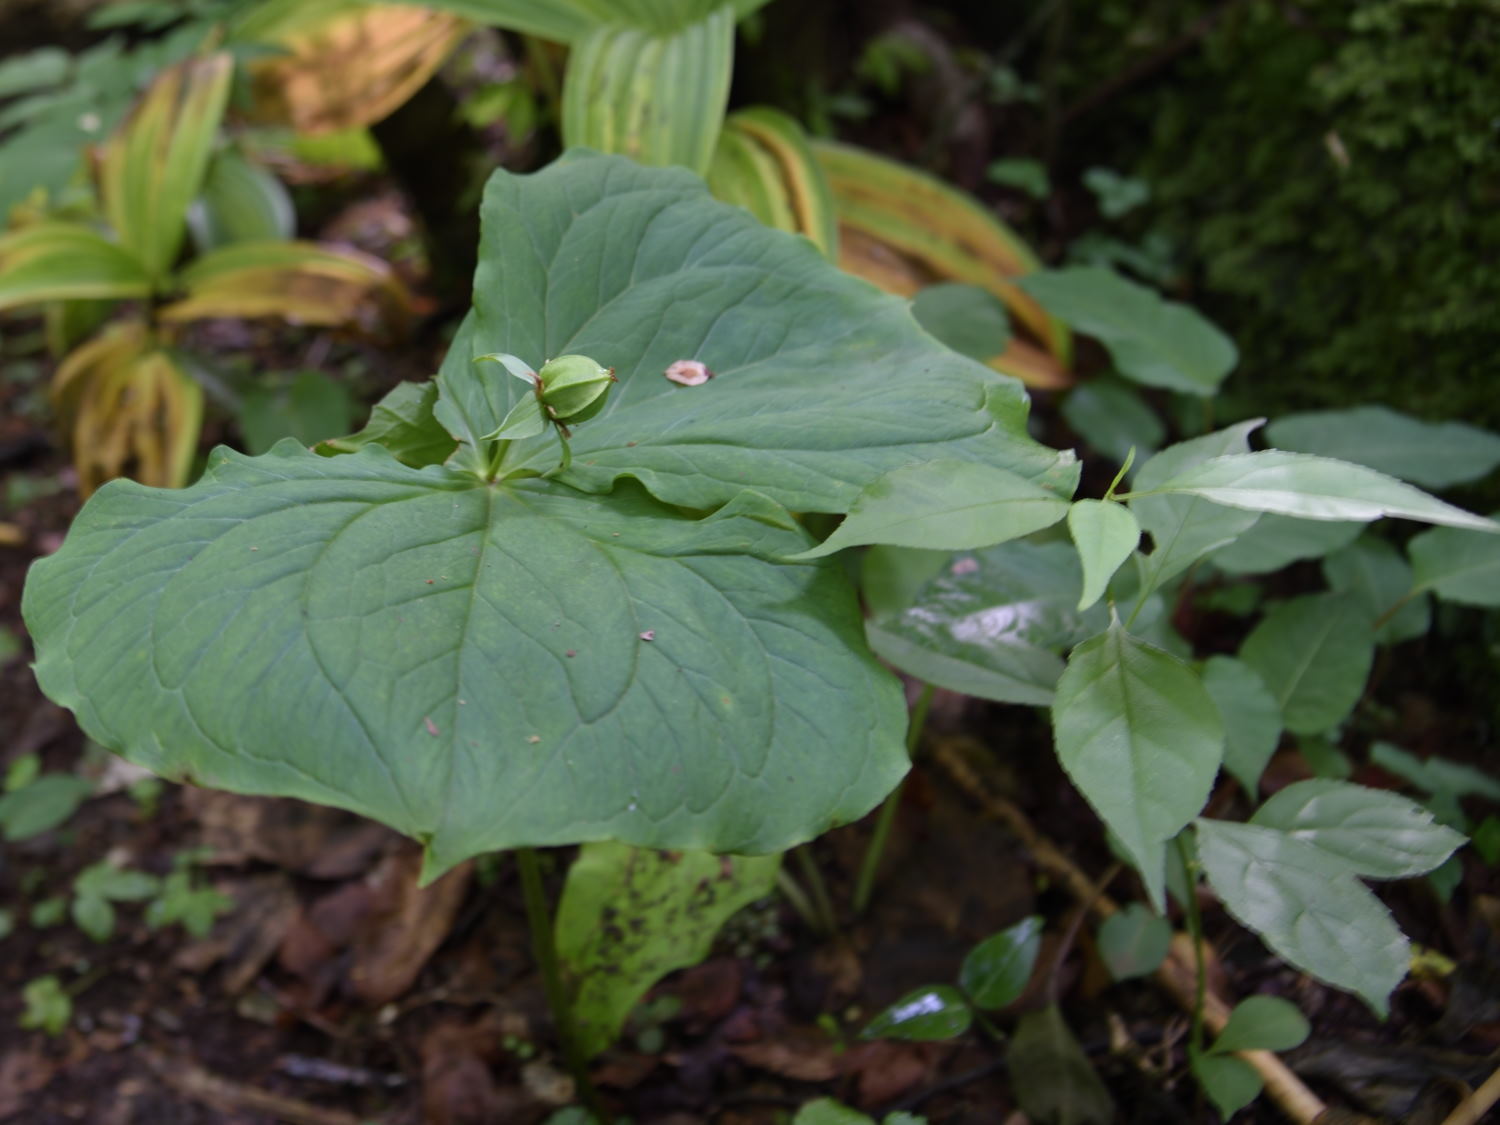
{"x":574,"y":388}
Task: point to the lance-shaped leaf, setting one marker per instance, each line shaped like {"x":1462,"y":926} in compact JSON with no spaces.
{"x":63,"y":262}
{"x":565,"y":21}
{"x":820,"y":384}
{"x":1307,"y":905}
{"x":1377,"y":834}
{"x":658,"y":98}
{"x":153,"y":168}
{"x":1313,"y":488}
{"x":1141,"y":739}
{"x":477,"y":666}
{"x":629,"y":916}
{"x":1314,"y":653}
{"x":945,"y":505}
{"x":765,"y":164}
{"x":1105,"y":534}
{"x":1432,"y":454}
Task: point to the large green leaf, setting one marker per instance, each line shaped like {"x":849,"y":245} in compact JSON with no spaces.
{"x":1308,"y":906}
{"x":1377,"y":834}
{"x":567,"y":20}
{"x":1432,"y":454}
{"x":1457,"y":566}
{"x":1156,"y":342}
{"x":1375,"y":573}
{"x":1313,"y":488}
{"x":476,"y":666}
{"x":1142,"y":741}
{"x":1252,"y":717}
{"x":1314,"y":653}
{"x":991,"y":623}
{"x":629,"y":916}
{"x":821,"y":384}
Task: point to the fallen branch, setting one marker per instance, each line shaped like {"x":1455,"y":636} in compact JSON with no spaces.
{"x":1477,"y":1104}
{"x":1177,"y":973}
{"x":191,"y":1080}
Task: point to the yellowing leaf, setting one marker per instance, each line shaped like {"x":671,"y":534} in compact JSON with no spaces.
{"x":350,"y":66}
{"x":928,"y":231}
{"x":65,"y":261}
{"x":765,"y":164}
{"x":153,"y":167}
{"x":301,"y":282}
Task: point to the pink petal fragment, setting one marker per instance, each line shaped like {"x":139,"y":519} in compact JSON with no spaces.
{"x":689,"y":372}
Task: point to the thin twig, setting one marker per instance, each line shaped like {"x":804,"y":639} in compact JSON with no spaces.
{"x":1177,"y":973}
{"x":1477,"y":1104}
{"x":227,"y":1097}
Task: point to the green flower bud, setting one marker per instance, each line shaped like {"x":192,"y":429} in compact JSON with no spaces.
{"x":574,"y":387}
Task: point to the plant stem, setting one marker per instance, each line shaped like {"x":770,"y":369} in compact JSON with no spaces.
{"x":819,"y":889}
{"x":496,"y":457}
{"x":544,"y":949}
{"x":1195,"y":934}
{"x":875,"y":849}
{"x":787,"y":884}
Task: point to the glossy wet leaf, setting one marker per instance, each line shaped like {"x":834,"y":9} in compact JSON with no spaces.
{"x":1263,"y":1023}
{"x":991,"y":623}
{"x":1431,"y":454}
{"x":1134,"y":941}
{"x":936,"y":1012}
{"x":1457,"y":566}
{"x":1307,"y":905}
{"x":629,"y":916}
{"x":1375,"y":573}
{"x":1252,"y":717}
{"x":1152,"y":341}
{"x":1105,"y":534}
{"x":1141,"y":740}
{"x":946,"y":505}
{"x":1314,"y":653}
{"x":995,"y":972}
{"x":1230,"y":1083}
{"x":970,"y":320}
{"x":821,"y":386}
{"x":1316,"y":488}
{"x":1377,"y":834}
{"x":1273,"y":542}
{"x":1054,"y":1081}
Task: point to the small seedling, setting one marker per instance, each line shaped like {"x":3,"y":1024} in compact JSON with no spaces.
{"x":48,"y":1006}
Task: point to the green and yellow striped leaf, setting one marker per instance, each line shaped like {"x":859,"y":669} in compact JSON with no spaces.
{"x":765,"y":164}
{"x":66,"y":261}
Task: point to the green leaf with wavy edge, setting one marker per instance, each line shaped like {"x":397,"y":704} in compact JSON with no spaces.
{"x":1252,"y":717}
{"x":945,"y":505}
{"x":1105,"y":534}
{"x":1307,"y":905}
{"x":1314,"y":653}
{"x":629,"y":916}
{"x":1313,"y":488}
{"x":1431,"y":454}
{"x":1152,"y":341}
{"x":1377,"y":834}
{"x":1141,"y":740}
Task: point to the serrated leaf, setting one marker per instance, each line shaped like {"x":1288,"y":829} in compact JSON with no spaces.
{"x":821,"y":385}
{"x":1230,"y":1083}
{"x":945,"y":505}
{"x":1307,"y":905}
{"x":1105,"y":534}
{"x":1432,"y":454}
{"x":1273,"y":542}
{"x":991,"y":623}
{"x":1263,"y":1023}
{"x":1185,"y":528}
{"x":1314,"y":653}
{"x":935,"y":1012}
{"x":1053,"y":1079}
{"x":1252,"y":717}
{"x":1134,"y":941}
{"x":1375,"y":573}
{"x":1152,"y":341}
{"x":1141,"y":740}
{"x":1313,"y":488}
{"x":1458,"y":566}
{"x":436,"y":693}
{"x":995,"y":972}
{"x":629,"y":916}
{"x":1377,"y":834}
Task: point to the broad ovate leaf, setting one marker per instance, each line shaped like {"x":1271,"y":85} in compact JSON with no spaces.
{"x":970,"y":320}
{"x":1053,"y":1078}
{"x":1277,"y":541}
{"x":1377,"y":834}
{"x":1152,"y":341}
{"x":1375,"y":573}
{"x":1252,"y":717}
{"x":1314,"y":653}
{"x":1141,"y":739}
{"x":1112,"y":417}
{"x":1457,"y":566}
{"x":1134,"y":941}
{"x":479,"y":666}
{"x":629,"y":916}
{"x":821,"y":385}
{"x":1307,"y":905}
{"x":1105,"y":533}
{"x":1263,"y":1023}
{"x":1313,"y":488}
{"x":1230,"y":1083}
{"x":1431,"y":454}
{"x":946,"y":505}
